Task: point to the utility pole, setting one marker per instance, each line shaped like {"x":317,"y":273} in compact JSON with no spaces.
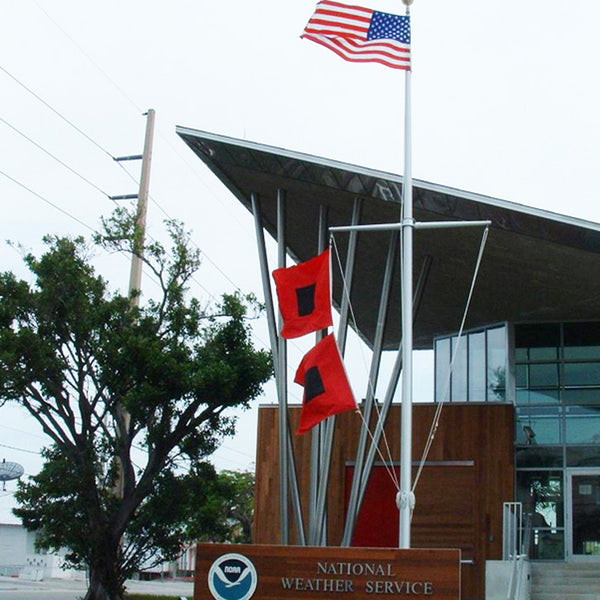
{"x":135,"y":275}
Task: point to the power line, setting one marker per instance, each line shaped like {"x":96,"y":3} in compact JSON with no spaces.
{"x":71,"y":216}
{"x":57,"y":113}
{"x":20,"y":449}
{"x":90,"y":139}
{"x":203,"y":253}
{"x":137,"y":107}
{"x":38,"y":435}
{"x":44,"y":199}
{"x":16,"y":130}
{"x":213,"y":263}
{"x":104,"y":73}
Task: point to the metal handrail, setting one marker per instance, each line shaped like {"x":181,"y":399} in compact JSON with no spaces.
{"x":512,"y":520}
{"x":518,"y":560}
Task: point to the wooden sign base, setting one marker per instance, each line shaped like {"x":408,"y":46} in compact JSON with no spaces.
{"x":265,"y":572}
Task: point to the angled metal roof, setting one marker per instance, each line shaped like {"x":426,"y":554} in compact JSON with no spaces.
{"x":537,"y":265}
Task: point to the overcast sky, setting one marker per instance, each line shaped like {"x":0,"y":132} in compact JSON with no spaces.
{"x":505,"y":103}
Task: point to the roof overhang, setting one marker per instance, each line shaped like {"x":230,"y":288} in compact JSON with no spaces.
{"x":537,"y":265}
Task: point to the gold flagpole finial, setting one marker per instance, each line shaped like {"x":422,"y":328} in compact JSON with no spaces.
{"x":407,"y":3}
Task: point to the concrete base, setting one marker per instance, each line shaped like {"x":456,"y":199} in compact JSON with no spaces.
{"x":497,"y":580}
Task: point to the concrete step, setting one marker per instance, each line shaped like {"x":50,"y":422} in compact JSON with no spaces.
{"x":564,"y":596}
{"x":565,"y":581}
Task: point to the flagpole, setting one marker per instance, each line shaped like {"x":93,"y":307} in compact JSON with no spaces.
{"x":405,"y":498}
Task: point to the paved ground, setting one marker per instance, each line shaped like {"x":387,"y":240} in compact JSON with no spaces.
{"x":59,"y":589}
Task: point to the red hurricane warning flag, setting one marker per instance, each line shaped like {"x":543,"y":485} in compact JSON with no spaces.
{"x":304,"y":293}
{"x":326,"y":388}
{"x":360,"y":34}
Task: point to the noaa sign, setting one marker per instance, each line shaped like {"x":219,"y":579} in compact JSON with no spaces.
{"x":232,"y":577}
{"x":264,"y":572}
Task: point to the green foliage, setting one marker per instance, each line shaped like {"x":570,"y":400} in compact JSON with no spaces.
{"x":237,"y":488}
{"x":105,"y":378}
{"x":230,"y":506}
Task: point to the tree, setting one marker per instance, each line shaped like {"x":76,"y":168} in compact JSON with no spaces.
{"x":231,"y":505}
{"x":238,"y":490}
{"x":105,"y":379}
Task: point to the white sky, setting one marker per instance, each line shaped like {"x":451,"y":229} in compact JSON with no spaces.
{"x":505,"y":103}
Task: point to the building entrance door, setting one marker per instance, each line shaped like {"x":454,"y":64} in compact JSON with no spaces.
{"x":583,"y":514}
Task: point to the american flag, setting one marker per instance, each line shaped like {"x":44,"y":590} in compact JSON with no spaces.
{"x":360,"y":34}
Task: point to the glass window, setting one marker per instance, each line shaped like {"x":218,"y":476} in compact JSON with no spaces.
{"x":478,"y":369}
{"x":543,"y":375}
{"x":541,"y":493}
{"x":582,"y":373}
{"x":459,"y":370}
{"x":538,"y":425}
{"x":582,"y":340}
{"x":539,"y":456}
{"x":477,"y":366}
{"x":547,"y":544}
{"x":583,"y":425}
{"x":521,"y":355}
{"x":496,"y":367}
{"x":442,"y":369}
{"x":541,"y":340}
{"x":581,"y":396}
{"x":537,"y":397}
{"x":583,"y":456}
{"x":521,"y":379}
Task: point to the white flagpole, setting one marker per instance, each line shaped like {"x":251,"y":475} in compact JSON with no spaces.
{"x":405,"y":499}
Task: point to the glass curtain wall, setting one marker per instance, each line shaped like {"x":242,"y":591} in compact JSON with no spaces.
{"x":472,"y":368}
{"x":557,"y":374}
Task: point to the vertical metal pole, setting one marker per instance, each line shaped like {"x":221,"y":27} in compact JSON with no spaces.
{"x":295,"y":490}
{"x":405,"y":499}
{"x":316,"y":441}
{"x":282,"y":387}
{"x":264,"y":270}
{"x":135,"y":274}
{"x":386,"y":288}
{"x":348,"y":276}
{"x":341,"y":341}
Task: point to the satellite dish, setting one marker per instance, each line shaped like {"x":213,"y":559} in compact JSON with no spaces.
{"x":10,"y":471}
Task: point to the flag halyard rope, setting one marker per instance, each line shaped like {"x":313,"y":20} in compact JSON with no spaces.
{"x":438,"y":411}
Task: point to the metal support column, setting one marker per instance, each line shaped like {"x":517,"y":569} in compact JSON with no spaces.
{"x":282,"y":387}
{"x":319,"y":532}
{"x":372,"y":384}
{"x":269,"y":307}
{"x":317,"y":432}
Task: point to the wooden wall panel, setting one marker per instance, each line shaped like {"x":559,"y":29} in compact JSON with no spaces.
{"x":481,"y":434}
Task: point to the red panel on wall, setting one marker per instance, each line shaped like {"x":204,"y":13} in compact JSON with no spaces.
{"x":377,"y":525}
{"x":443,"y":516}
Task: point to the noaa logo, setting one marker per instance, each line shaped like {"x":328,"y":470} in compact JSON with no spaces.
{"x":232,"y":577}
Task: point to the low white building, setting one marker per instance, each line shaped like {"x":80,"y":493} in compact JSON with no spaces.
{"x":19,"y":558}
{"x":16,"y":544}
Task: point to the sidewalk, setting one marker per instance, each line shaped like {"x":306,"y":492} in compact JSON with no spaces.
{"x":166,"y":587}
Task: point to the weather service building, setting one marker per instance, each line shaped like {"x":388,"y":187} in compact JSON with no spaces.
{"x":517,"y":385}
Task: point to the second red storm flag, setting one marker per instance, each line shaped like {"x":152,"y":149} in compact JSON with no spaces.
{"x":326,"y":388}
